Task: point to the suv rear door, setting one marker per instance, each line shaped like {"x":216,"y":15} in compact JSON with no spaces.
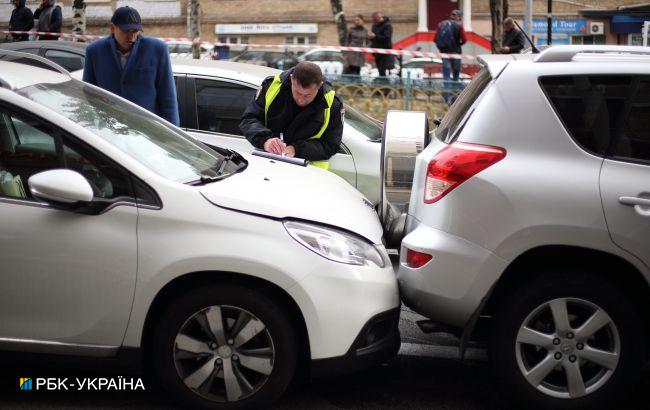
{"x":625,"y":175}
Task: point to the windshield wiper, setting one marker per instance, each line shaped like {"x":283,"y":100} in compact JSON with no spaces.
{"x":219,"y":168}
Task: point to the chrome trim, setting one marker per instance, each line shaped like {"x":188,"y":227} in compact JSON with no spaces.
{"x":50,"y":347}
{"x":149,"y":207}
{"x":119,"y":203}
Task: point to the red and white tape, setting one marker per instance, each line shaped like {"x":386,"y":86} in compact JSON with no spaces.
{"x":275,"y":46}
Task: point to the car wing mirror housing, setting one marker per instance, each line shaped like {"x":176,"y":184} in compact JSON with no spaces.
{"x":61,"y":188}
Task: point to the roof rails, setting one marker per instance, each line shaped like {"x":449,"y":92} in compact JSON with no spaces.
{"x":564,"y":53}
{"x":41,"y":61}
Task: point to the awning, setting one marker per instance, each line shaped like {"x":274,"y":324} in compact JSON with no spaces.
{"x":628,"y":24}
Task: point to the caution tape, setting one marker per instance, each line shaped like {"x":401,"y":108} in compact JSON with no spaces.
{"x":273,"y":46}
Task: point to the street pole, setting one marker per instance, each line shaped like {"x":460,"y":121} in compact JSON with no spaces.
{"x":528,"y":17}
{"x":549,"y":22}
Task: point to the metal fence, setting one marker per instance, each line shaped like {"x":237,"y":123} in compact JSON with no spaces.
{"x":376,"y":96}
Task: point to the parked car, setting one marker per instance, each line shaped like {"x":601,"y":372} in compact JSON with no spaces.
{"x":183,"y":49}
{"x":432,"y":68}
{"x":226,"y":272}
{"x":280,"y":59}
{"x":69,"y":55}
{"x":536,"y":217}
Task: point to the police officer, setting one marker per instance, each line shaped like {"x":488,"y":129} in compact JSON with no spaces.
{"x":296,"y":114}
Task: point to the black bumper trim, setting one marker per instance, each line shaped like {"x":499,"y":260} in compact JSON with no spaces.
{"x":360,"y":355}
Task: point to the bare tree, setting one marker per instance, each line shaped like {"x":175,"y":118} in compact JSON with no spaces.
{"x":339,"y":19}
{"x":194,"y":26}
{"x":498,"y":12}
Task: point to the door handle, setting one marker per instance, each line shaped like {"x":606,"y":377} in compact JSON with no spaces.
{"x":634,"y":201}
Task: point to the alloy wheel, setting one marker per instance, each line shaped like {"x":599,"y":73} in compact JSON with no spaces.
{"x":224,"y":353}
{"x":567,"y":348}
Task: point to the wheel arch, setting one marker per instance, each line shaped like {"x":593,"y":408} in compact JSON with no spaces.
{"x":189,"y":281}
{"x":537,"y":261}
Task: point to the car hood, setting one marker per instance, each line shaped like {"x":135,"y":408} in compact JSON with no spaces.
{"x":280,"y":190}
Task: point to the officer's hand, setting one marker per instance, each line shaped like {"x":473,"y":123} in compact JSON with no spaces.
{"x":274,"y":146}
{"x":290,"y":151}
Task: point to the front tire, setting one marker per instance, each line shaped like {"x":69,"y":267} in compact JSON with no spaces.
{"x":225,"y":347}
{"x":566,"y":341}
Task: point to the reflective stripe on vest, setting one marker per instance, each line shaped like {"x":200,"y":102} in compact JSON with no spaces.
{"x":274,"y":90}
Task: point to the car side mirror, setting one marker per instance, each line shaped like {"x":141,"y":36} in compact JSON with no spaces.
{"x":61,"y":187}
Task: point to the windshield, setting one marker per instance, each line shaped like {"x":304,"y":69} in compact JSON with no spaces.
{"x":459,"y":108}
{"x":135,"y":131}
{"x":360,"y":122}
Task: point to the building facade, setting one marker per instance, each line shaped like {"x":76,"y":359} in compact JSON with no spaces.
{"x":311,"y":21}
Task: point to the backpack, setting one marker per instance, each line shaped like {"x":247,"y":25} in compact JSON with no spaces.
{"x":446,"y":36}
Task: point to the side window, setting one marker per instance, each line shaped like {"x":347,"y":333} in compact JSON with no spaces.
{"x":28,"y":147}
{"x":220,"y":105}
{"x":591,"y":107}
{"x":634,"y":141}
{"x":69,"y":61}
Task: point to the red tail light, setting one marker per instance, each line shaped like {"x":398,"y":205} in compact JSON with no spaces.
{"x":416,"y":259}
{"x":455,"y":164}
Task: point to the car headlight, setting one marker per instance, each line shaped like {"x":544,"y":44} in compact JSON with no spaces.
{"x":335,"y":245}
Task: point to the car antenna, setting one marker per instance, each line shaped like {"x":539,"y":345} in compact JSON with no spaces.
{"x":535,"y":49}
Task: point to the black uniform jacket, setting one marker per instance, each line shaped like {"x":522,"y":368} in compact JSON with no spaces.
{"x":296,"y":123}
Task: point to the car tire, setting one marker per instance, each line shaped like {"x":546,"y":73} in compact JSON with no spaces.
{"x":247,"y":364}
{"x":540,"y":360}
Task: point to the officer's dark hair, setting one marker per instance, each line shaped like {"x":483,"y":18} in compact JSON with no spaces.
{"x":307,"y":73}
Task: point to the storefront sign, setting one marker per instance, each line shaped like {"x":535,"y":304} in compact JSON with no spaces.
{"x":560,"y":26}
{"x":288,"y":28}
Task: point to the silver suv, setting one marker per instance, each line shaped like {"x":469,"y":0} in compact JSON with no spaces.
{"x":531,"y":209}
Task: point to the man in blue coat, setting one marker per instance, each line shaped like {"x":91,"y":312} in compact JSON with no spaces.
{"x":132,"y":66}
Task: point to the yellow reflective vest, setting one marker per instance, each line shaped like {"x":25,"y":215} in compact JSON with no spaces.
{"x":274,"y":90}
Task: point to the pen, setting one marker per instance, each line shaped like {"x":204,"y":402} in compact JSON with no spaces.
{"x":282,"y":139}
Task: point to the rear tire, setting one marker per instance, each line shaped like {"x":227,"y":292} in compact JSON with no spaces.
{"x":224,"y":347}
{"x":545,"y":354}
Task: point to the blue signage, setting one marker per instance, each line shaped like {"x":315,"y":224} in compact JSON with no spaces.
{"x":560,"y":26}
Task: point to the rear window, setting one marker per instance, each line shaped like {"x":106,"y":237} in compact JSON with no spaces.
{"x":459,"y":108}
{"x":590,"y":107}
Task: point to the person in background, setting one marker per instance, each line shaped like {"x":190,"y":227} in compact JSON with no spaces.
{"x":357,"y":37}
{"x":49,"y":18}
{"x":449,"y":37}
{"x":132,"y":66}
{"x":381,"y":36}
{"x":513,"y":39}
{"x":22,"y":19}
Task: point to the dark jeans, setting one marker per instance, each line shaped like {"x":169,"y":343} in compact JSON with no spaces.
{"x":450,"y":66}
{"x":353,"y":69}
{"x":384,"y":63}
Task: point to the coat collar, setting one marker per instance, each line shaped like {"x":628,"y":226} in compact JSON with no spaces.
{"x":116,"y":54}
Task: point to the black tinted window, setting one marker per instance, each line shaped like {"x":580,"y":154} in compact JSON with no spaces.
{"x":69,"y":61}
{"x":634,"y":140}
{"x":459,"y":108}
{"x":591,"y":107}
{"x":220,"y":105}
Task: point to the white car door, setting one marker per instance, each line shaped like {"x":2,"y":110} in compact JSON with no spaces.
{"x":219,"y":106}
{"x":67,"y":279}
{"x":625,"y":178}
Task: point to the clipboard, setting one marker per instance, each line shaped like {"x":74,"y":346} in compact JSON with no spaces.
{"x":291,"y":160}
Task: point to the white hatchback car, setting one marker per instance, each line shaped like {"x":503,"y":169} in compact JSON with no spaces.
{"x":225,"y":271}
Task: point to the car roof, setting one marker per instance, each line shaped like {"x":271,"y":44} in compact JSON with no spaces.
{"x":21,"y":45}
{"x":250,"y":73}
{"x":16,"y":75}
